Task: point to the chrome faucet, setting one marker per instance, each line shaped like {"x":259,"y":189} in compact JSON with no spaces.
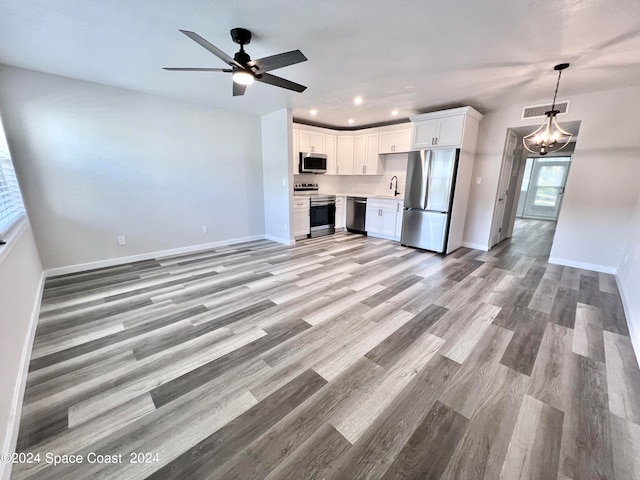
{"x":395,"y":192}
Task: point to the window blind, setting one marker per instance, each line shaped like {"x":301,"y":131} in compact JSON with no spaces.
{"x":11,"y":206}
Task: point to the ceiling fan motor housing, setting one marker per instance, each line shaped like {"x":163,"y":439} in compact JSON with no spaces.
{"x":242,"y":57}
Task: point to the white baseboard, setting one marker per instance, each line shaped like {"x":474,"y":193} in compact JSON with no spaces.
{"x":11,"y":438}
{"x":626,"y":304}
{"x":52,"y":272}
{"x":476,"y":246}
{"x":284,"y":241}
{"x":385,"y":237}
{"x":583,"y":265}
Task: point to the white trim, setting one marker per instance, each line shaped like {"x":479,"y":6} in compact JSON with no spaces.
{"x":476,"y":246}
{"x":383,"y":236}
{"x":285,"y":241}
{"x":12,"y":237}
{"x":52,"y":272}
{"x":635,"y":340}
{"x":11,"y":439}
{"x":583,"y":265}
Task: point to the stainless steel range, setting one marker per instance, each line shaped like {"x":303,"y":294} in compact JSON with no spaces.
{"x":322,"y":209}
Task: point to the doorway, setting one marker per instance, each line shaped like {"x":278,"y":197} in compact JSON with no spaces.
{"x":530,"y":187}
{"x":542,"y":187}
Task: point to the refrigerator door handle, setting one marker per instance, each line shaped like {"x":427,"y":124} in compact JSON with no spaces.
{"x":429,"y":160}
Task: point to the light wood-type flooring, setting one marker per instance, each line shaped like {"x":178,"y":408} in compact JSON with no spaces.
{"x":343,"y":357}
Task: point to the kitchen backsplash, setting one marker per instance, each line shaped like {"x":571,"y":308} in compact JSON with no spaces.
{"x":394,"y":164}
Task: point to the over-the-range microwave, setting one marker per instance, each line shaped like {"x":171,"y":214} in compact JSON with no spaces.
{"x":313,"y":162}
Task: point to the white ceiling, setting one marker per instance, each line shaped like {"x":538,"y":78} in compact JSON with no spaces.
{"x":410,"y":55}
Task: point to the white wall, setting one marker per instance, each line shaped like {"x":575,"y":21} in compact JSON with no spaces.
{"x":629,"y":278}
{"x":21,"y":287}
{"x":96,"y":162}
{"x":277,"y":175}
{"x":602,"y":187}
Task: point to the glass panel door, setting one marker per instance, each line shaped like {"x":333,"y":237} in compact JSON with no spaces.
{"x":546,"y":187}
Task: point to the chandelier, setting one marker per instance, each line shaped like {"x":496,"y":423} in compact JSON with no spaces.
{"x":549,"y":137}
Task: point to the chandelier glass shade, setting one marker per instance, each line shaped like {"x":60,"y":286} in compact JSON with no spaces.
{"x":549,"y":137}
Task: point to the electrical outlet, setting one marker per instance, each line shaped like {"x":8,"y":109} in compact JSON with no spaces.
{"x":626,"y":258}
{"x":205,"y":229}
{"x":122,"y":240}
{"x":478,"y":180}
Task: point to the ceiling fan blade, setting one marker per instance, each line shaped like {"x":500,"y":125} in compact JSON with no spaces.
{"x":212,"y":48}
{"x":280,"y":82}
{"x":278,"y":61}
{"x":189,"y":69}
{"x":238,"y":89}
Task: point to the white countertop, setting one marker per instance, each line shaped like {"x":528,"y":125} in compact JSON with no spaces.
{"x":370,"y":195}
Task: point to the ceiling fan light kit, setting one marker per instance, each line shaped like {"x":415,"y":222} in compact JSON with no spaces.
{"x":242,"y":77}
{"x":549,"y":137}
{"x":246,"y":71}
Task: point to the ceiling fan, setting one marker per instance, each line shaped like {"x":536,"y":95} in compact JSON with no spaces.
{"x":245,"y":70}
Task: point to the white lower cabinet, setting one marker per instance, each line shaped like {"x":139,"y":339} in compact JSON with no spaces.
{"x":383,"y":218}
{"x":301,"y":220}
{"x":340,"y":213}
{"x":399,"y":208}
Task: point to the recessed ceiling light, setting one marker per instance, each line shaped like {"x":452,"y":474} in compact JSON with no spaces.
{"x":351,"y":121}
{"x":394,"y":112}
{"x":357,"y":100}
{"x":313,"y":111}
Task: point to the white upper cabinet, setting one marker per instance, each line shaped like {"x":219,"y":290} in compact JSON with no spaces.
{"x":331,"y":149}
{"x":309,"y":141}
{"x":344,"y":157}
{"x":395,"y":141}
{"x":438,"y":132}
{"x":366,"y":160}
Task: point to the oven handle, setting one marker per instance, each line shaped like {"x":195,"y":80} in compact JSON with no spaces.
{"x":322,"y":204}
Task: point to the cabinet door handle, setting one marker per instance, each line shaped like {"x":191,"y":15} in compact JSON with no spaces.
{"x":337,"y":168}
{"x":436,"y":140}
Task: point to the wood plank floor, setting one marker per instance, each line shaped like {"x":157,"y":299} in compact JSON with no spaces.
{"x":343,"y":357}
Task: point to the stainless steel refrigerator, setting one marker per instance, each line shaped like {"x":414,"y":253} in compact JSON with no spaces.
{"x":428,"y":198}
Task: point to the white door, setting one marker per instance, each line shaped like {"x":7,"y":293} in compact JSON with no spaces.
{"x":546,"y":187}
{"x":360,"y":155}
{"x":387,"y":141}
{"x":508,"y":157}
{"x":450,"y":131}
{"x":372,"y":219}
{"x":344,"y":165}
{"x":331,"y":148}
{"x":388,"y":221}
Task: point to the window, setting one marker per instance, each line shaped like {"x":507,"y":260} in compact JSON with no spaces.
{"x":11,"y":206}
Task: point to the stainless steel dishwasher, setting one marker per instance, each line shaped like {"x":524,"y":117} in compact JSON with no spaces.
{"x":356,"y":212}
